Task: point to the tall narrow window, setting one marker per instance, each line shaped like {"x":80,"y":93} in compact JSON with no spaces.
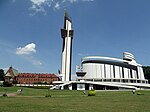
{"x":131,"y":73}
{"x":122,"y":72}
{"x":114,"y":70}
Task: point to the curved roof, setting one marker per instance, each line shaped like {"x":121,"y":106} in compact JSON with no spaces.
{"x":103,"y":58}
{"x":108,"y":60}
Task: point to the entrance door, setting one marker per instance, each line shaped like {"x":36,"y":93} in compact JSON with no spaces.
{"x":86,"y":86}
{"x":74,"y":86}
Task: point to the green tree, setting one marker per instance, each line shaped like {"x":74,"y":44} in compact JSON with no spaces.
{"x":2,"y":75}
{"x":146,"y":70}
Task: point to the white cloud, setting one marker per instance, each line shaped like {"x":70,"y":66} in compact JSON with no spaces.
{"x":38,"y":2}
{"x":28,"y":49}
{"x":26,"y":53}
{"x":57,"y":5}
{"x":40,"y":5}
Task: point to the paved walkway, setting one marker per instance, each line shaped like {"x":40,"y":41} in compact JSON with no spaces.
{"x":11,"y":94}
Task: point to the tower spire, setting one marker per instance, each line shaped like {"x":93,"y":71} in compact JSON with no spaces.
{"x":67,"y":36}
{"x":66,"y":18}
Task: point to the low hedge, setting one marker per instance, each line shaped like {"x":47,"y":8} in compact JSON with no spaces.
{"x":38,"y":87}
{"x":138,"y":93}
{"x":48,"y":95}
{"x":91,"y":93}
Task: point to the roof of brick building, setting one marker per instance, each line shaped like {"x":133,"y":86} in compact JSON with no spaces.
{"x":42,"y":75}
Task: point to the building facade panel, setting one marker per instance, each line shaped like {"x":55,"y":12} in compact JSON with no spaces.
{"x":108,"y":71}
{"x":126,"y":73}
{"x":102,"y":71}
{"x":117,"y":72}
{"x":120,"y":72}
{"x":112,"y":71}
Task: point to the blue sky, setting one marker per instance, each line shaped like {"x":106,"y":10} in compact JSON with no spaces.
{"x":30,"y":37}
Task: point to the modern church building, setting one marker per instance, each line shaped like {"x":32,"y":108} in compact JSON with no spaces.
{"x":111,"y":73}
{"x":106,"y":69}
{"x":99,"y":73}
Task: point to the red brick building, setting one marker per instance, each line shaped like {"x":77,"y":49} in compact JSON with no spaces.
{"x":34,"y":78}
{"x":12,"y":75}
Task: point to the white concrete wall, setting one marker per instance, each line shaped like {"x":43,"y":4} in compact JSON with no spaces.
{"x":102,"y":68}
{"x":125,"y":73}
{"x":107,"y":71}
{"x":141,"y":73}
{"x":88,"y":68}
{"x":117,"y":72}
{"x":134,"y":74}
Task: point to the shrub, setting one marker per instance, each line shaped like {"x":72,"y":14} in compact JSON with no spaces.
{"x":48,"y":95}
{"x":4,"y":94}
{"x":7,"y":84}
{"x":91,"y":93}
{"x":138,"y":93}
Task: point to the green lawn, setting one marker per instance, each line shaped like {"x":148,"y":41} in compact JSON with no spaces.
{"x":34,"y":100}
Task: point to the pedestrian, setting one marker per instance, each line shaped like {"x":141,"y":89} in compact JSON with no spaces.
{"x":84,"y":92}
{"x":133,"y":91}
